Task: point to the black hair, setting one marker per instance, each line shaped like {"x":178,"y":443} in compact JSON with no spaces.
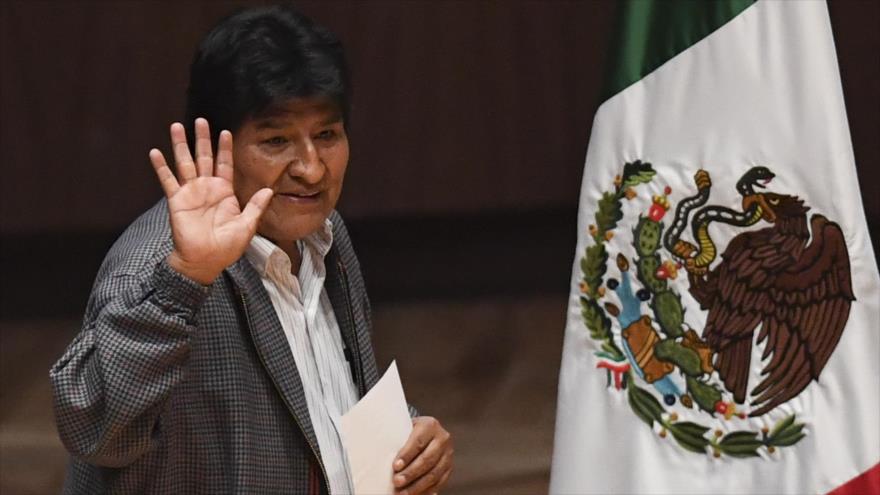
{"x":261,"y":57}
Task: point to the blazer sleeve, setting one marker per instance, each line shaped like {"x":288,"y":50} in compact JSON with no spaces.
{"x":113,"y":380}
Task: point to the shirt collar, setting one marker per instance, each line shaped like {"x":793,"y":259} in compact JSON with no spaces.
{"x":267,"y":258}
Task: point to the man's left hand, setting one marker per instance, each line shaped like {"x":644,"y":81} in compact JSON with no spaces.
{"x":424,"y":463}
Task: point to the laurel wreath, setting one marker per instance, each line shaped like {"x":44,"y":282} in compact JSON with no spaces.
{"x":666,"y":305}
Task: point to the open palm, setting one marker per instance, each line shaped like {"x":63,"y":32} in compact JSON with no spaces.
{"x":209,"y":227}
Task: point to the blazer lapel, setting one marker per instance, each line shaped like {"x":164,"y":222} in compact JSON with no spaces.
{"x":336,"y":285}
{"x":271,"y":344}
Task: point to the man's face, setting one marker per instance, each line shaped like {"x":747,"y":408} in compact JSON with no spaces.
{"x":300,"y":151}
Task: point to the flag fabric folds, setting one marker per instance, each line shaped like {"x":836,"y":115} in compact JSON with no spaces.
{"x":722,"y":331}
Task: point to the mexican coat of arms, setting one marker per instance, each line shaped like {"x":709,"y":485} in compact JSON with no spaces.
{"x":786,"y":286}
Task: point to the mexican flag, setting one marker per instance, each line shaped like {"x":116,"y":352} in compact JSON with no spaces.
{"x":722,"y":332}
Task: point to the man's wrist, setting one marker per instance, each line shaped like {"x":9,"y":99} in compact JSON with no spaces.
{"x":176,"y":293}
{"x":198,"y":274}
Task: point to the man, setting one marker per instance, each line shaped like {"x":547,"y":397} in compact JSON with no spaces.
{"x":222,"y":344}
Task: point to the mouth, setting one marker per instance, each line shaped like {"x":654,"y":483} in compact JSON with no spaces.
{"x":304,"y":197}
{"x":762,"y":183}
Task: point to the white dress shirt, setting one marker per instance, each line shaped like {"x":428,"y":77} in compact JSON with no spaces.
{"x":313,"y":334}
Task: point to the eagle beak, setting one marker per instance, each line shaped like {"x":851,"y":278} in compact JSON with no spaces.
{"x":763,"y":209}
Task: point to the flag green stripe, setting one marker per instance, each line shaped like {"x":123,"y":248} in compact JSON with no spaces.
{"x":650,"y":32}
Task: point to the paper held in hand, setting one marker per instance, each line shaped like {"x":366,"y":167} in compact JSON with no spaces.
{"x":374,"y":431}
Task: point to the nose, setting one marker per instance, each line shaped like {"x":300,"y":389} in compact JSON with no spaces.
{"x":306,"y":163}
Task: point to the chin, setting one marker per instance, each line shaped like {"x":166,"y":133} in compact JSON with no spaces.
{"x":293,"y":230}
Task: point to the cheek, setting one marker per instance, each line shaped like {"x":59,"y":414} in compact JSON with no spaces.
{"x":337,"y":167}
{"x":252,"y":174}
{"x":240,"y":187}
{"x":338,"y":175}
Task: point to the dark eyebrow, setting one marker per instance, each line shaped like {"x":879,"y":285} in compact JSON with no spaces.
{"x":268,"y":124}
{"x":334,"y":118}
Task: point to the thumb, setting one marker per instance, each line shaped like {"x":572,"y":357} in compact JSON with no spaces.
{"x":255,"y":208}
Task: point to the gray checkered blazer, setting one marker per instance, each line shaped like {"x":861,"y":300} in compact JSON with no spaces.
{"x":172,"y":387}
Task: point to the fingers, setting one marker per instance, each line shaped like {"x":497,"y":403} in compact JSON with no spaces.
{"x":421,"y":467}
{"x":425,"y":459}
{"x":186,"y":169}
{"x":203,"y":166}
{"x":443,"y":480}
{"x":166,"y":177}
{"x":434,"y":480}
{"x":204,"y":156}
{"x":224,"y":156}
{"x":255,"y":208}
{"x":420,"y":437}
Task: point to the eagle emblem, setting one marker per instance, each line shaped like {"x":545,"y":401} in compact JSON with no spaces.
{"x":782,"y":284}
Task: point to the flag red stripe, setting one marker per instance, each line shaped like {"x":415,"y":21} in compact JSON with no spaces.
{"x":863,"y":484}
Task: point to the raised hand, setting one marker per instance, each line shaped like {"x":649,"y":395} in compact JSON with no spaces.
{"x":209,"y":228}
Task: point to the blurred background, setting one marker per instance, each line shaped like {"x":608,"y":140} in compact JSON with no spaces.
{"x":469,"y":130}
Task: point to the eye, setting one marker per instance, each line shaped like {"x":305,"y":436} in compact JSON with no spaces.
{"x":275,"y":141}
{"x":774,"y":201}
{"x":326,"y":135}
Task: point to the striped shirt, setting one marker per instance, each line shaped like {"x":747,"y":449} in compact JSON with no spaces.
{"x":313,"y":334}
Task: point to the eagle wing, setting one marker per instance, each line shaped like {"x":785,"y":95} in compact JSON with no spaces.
{"x":804,"y":311}
{"x":741,"y":301}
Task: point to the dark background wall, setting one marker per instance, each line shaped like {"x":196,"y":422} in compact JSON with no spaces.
{"x":470,"y":124}
{"x":459,"y":107}
{"x":466,"y":115}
